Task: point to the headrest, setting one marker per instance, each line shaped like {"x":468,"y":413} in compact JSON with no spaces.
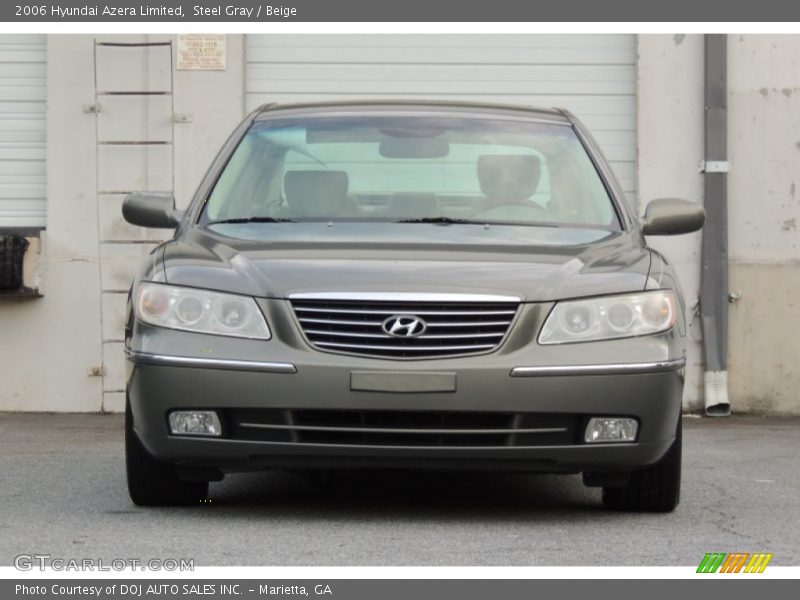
{"x":316,"y":193}
{"x":509,"y":176}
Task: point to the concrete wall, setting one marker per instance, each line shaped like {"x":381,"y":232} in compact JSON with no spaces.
{"x":214,"y":100}
{"x":764,"y":221}
{"x":63,"y":352}
{"x":670,"y":148}
{"x":763,"y":200}
{"x":48,"y":345}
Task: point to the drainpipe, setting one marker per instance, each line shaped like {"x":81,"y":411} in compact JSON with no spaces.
{"x":714,"y":274}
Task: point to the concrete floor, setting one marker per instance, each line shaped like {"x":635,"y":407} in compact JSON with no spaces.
{"x":62,"y":491}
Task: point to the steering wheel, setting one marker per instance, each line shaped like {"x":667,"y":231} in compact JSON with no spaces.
{"x":534,"y":207}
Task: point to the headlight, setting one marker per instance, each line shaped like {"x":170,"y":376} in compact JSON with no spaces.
{"x":201,"y":311}
{"x":610,"y":317}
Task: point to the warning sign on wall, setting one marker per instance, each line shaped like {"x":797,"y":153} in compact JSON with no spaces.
{"x":201,"y":52}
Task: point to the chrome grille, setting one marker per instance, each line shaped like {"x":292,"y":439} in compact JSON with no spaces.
{"x":453,"y":327}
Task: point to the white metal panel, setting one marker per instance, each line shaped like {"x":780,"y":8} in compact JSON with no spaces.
{"x":593,"y":76}
{"x":132,"y":68}
{"x":135,"y":118}
{"x":23,"y":65}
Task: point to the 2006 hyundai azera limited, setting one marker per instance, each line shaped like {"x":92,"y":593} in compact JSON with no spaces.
{"x":401,"y":285}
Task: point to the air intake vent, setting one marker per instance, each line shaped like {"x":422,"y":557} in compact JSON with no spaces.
{"x":403,"y":428}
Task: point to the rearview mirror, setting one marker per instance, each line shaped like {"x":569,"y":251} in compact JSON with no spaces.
{"x":410,"y":147}
{"x":672,"y":216}
{"x":151,"y":210}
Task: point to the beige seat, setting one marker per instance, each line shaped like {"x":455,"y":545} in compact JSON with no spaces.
{"x":508,"y":178}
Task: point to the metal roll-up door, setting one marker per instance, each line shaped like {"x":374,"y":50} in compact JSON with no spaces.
{"x":594,"y":76}
{"x":23,"y":66}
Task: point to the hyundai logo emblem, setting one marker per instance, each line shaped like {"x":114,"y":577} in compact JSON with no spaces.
{"x":404,"y":326}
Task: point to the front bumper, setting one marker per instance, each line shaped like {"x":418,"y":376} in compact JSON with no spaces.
{"x":158,"y":384}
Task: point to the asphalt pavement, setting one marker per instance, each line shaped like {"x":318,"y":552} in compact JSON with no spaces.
{"x":62,"y":492}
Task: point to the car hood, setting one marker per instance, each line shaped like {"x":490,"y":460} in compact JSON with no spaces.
{"x":532,"y":263}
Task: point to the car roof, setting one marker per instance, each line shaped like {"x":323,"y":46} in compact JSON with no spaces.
{"x":553,"y":115}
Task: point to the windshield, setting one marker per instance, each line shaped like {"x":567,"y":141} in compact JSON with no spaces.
{"x":411,"y":169}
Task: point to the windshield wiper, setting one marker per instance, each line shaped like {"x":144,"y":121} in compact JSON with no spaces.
{"x":252,"y":220}
{"x":443,"y":220}
{"x":450,"y":221}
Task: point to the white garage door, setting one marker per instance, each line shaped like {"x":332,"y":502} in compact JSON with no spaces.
{"x":23,"y":63}
{"x":594,"y":76}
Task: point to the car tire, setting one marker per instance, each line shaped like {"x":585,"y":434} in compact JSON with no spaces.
{"x":656,"y":488}
{"x":152,"y":482}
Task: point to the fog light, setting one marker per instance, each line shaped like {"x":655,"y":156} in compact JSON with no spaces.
{"x":610,"y":429}
{"x":194,"y":422}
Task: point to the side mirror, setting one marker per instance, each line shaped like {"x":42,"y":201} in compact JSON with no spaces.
{"x":151,"y":210}
{"x":672,"y":216}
